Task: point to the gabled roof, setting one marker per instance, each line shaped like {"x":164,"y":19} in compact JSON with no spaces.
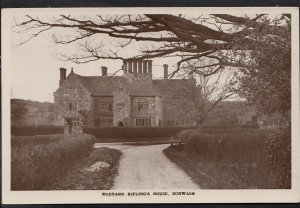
{"x":106,"y":85}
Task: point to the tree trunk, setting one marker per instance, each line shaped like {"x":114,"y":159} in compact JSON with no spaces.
{"x":199,"y":123}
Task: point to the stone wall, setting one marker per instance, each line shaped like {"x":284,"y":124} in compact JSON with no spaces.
{"x":122,"y":108}
{"x":70,"y":91}
{"x":98,"y":115}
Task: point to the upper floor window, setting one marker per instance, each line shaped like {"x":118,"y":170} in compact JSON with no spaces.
{"x":120,"y":106}
{"x":73,"y":106}
{"x":143,"y":106}
{"x":104,"y":107}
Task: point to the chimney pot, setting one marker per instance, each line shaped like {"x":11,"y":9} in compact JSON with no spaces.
{"x":165,"y":71}
{"x":150,"y":66}
{"x":129,"y":66}
{"x":63,"y":72}
{"x":134,"y":67}
{"x":144,"y":67}
{"x":104,"y":70}
{"x":140,"y":67}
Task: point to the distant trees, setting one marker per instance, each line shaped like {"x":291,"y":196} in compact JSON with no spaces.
{"x":18,"y":111}
{"x":209,"y":90}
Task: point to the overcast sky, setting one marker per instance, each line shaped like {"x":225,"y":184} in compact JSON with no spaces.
{"x":35,"y":66}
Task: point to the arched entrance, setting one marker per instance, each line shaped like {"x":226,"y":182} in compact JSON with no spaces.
{"x":120,"y":124}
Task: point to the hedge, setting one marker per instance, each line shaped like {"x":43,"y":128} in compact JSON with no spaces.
{"x":234,"y":145}
{"x":29,"y":130}
{"x":18,"y":141}
{"x":134,"y":133}
{"x":36,"y":165}
{"x":246,"y":159}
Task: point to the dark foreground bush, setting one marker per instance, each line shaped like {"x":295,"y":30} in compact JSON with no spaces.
{"x":36,"y":165}
{"x":277,"y":151}
{"x":29,"y":130}
{"x":249,"y":159}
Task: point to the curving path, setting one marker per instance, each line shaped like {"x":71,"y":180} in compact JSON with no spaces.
{"x":146,"y":167}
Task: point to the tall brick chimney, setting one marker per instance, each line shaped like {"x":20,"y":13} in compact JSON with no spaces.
{"x":63,"y":76}
{"x":150,"y":67}
{"x":104,"y":70}
{"x":165,"y":71}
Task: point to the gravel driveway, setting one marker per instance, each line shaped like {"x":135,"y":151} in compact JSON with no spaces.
{"x":146,"y":167}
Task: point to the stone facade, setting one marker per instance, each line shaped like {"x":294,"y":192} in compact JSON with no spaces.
{"x":134,"y":99}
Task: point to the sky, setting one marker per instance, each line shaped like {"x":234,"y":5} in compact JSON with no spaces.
{"x":35,"y":66}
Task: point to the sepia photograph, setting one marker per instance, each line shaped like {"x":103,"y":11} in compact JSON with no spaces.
{"x":130,"y":105}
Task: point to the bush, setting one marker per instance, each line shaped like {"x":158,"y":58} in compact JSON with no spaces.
{"x":278,"y":154}
{"x":226,"y":146}
{"x":241,"y":159}
{"x":36,"y":165}
{"x":18,"y":141}
{"x":29,"y":130}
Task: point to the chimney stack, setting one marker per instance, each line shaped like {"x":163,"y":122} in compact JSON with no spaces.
{"x":150,"y":66}
{"x":63,"y":73}
{"x":144,"y":67}
{"x":165,"y":71}
{"x":138,"y":67}
{"x":104,"y":71}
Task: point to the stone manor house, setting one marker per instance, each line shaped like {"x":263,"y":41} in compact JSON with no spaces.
{"x":133,"y":99}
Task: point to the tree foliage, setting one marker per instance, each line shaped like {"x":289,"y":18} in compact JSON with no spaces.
{"x":18,"y":112}
{"x":266,"y":81}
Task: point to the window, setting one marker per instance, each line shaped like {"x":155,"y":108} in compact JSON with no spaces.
{"x":179,"y":122}
{"x":143,"y":106}
{"x":120,"y":106}
{"x":72,"y":106}
{"x":143,"y":121}
{"x":76,"y":122}
{"x":106,"y":120}
{"x":104,"y":107}
{"x":97,"y":122}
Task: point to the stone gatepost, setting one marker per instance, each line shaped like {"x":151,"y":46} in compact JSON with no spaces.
{"x":66,"y":128}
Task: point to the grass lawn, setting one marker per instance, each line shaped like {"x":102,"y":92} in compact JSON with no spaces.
{"x":77,"y":178}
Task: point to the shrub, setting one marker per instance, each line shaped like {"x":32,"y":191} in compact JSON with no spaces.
{"x":278,"y":154}
{"x":29,"y":130}
{"x":36,"y":165}
{"x":241,"y":159}
{"x":18,"y":141}
{"x":226,"y":146}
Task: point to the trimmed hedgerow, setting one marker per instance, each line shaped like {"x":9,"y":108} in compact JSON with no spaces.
{"x":36,"y":165}
{"x":133,"y":133}
{"x":129,"y":134}
{"x":29,"y":130}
